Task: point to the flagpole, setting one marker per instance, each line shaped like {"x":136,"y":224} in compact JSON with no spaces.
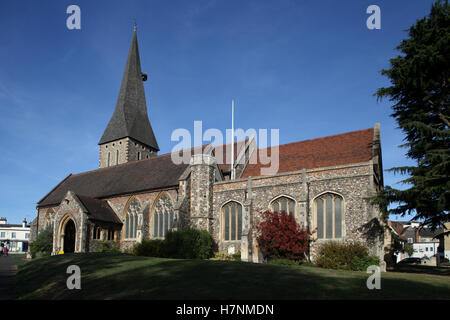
{"x":232,"y":139}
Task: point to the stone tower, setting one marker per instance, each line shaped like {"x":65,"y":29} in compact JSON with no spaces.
{"x":129,"y":135}
{"x":202,"y":181}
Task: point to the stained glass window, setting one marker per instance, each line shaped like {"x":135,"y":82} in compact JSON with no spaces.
{"x":232,"y":221}
{"x":131,"y":220}
{"x":329,"y":214}
{"x":163,"y":217}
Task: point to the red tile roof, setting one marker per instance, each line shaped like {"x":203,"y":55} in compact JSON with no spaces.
{"x":341,"y":149}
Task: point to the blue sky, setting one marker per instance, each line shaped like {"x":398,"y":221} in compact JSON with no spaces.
{"x":309,"y":68}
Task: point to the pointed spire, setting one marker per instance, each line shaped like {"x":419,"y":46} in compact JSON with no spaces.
{"x":130,"y":118}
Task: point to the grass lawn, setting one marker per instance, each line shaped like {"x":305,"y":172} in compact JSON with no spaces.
{"x":120,"y":276}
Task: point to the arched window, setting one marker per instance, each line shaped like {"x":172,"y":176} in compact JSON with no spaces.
{"x":110,"y":234}
{"x":232,"y":221}
{"x":328,"y":216}
{"x":131,"y":220}
{"x":96,"y":233}
{"x":283,"y":204}
{"x":163,"y":216}
{"x":48,"y":220}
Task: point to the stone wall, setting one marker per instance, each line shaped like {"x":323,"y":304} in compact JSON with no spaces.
{"x":353,"y":183}
{"x":145,"y":226}
{"x":69,"y":208}
{"x":201,"y":186}
{"x":129,"y":150}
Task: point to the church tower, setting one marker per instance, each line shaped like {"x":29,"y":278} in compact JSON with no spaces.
{"x":129,"y":135}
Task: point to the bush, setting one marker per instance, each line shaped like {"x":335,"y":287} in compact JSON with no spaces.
{"x":339,"y":255}
{"x":222,"y":256}
{"x":236,"y":256}
{"x":362,"y":263}
{"x":149,"y":248}
{"x":284,"y":262}
{"x":280,"y":236}
{"x":188,"y":244}
{"x":108,"y":247}
{"x":43,"y":245}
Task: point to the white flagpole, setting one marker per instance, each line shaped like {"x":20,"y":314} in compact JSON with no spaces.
{"x":232,"y":139}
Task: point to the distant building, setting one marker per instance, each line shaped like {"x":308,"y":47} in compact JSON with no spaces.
{"x":444,"y":242}
{"x":425,"y":242}
{"x":14,"y":236}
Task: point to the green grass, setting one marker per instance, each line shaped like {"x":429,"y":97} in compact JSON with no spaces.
{"x":120,"y":276}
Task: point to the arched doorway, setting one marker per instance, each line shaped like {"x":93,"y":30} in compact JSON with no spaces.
{"x":69,"y":237}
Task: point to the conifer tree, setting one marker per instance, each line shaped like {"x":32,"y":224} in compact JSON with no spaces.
{"x":419,"y":91}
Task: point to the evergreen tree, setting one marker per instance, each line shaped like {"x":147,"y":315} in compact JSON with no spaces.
{"x":419,"y":89}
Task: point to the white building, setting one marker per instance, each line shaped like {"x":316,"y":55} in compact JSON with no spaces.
{"x":422,"y":249}
{"x":14,"y":236}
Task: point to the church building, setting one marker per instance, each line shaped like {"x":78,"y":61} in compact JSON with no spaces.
{"x":137,"y":194}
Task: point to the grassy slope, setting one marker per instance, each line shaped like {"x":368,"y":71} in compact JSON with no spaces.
{"x":129,"y":277}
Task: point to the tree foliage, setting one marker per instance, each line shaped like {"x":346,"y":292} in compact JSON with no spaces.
{"x":43,"y":245}
{"x":280,"y":236}
{"x":419,"y":89}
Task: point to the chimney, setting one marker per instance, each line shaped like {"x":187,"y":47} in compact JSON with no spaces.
{"x":24,"y":223}
{"x":2,"y":220}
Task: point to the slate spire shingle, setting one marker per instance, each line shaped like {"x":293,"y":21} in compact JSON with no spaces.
{"x":130,"y":118}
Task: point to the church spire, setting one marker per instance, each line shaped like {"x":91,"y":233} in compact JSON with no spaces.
{"x":130,"y":118}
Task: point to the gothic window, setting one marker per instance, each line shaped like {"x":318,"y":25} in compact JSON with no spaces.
{"x":131,"y":219}
{"x":48,"y":223}
{"x":110,"y":234}
{"x":109,"y":158}
{"x":283,"y":204}
{"x":117,"y":157}
{"x":328,"y":216}
{"x":232,"y":221}
{"x":96,"y":233}
{"x":163,"y":216}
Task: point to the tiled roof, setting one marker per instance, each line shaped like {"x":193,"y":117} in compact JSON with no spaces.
{"x":146,"y":174}
{"x":397,"y":226}
{"x":429,"y":233}
{"x":347,"y":148}
{"x":99,"y":210}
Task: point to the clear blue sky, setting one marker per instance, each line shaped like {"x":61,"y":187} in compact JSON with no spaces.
{"x":309,"y":68}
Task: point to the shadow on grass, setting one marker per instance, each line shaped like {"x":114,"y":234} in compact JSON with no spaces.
{"x":421,"y":269}
{"x":129,"y":277}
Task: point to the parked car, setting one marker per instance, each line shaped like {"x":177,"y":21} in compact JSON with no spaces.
{"x":410,"y":261}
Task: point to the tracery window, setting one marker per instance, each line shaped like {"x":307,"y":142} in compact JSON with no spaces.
{"x":48,"y":222}
{"x":283,"y":204}
{"x":163,"y":216}
{"x":131,"y":220}
{"x":232,"y":221}
{"x":328,"y":216}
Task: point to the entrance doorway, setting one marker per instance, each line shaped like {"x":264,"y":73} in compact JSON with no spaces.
{"x":69,"y":237}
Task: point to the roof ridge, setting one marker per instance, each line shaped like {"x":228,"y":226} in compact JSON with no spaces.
{"x":123,"y":164}
{"x":141,"y":160}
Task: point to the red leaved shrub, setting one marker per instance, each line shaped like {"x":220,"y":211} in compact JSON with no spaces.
{"x":280,"y":236}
